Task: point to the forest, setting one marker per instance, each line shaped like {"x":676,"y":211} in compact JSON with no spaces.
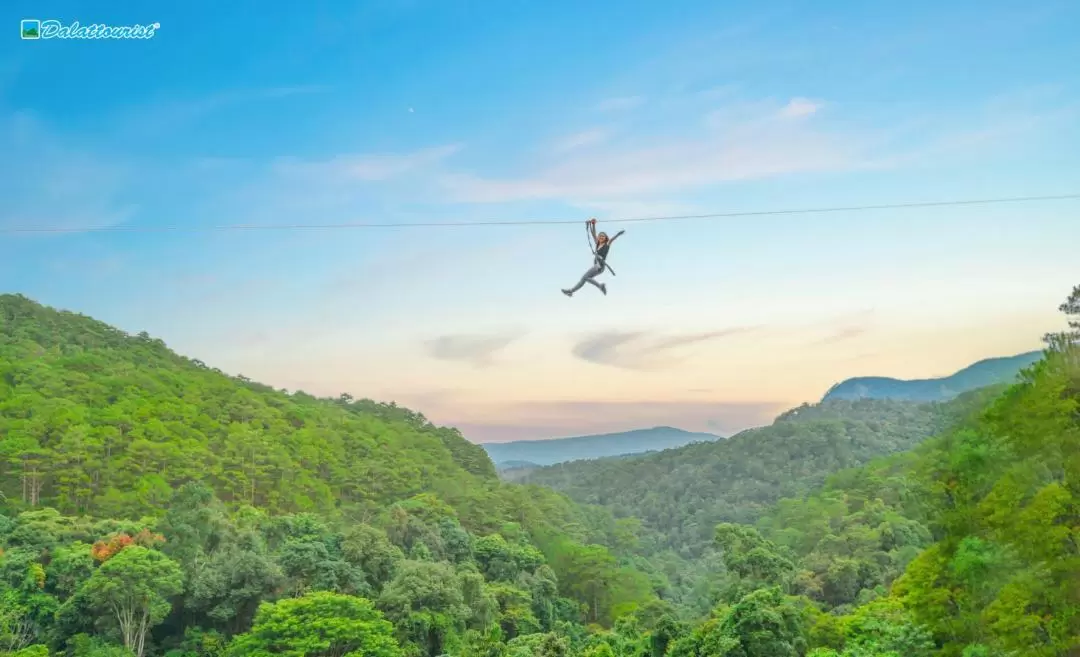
{"x":693,"y":488}
{"x":151,"y":505}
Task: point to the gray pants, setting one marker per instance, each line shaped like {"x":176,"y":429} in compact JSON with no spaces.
{"x":589,"y":277}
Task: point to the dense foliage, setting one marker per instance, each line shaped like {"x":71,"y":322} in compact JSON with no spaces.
{"x":415,"y":583}
{"x":693,"y":488}
{"x":966,"y":546}
{"x":97,"y":421}
{"x":100,"y":431}
{"x":101,"y":423}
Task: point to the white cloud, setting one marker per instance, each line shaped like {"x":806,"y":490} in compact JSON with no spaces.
{"x":743,"y":145}
{"x":620,"y":103}
{"x":367,"y":167}
{"x":336,"y":188}
{"x":580,"y":140}
{"x":382,"y":167}
{"x":637,"y":350}
{"x":800,"y":107}
{"x":474,"y":349}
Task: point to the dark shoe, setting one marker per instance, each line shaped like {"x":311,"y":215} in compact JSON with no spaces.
{"x":603,"y":288}
{"x":568,"y":293}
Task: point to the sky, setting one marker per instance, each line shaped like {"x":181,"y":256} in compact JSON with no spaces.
{"x":417,"y":111}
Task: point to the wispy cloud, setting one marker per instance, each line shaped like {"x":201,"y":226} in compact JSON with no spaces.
{"x":335,"y":188}
{"x":800,"y":107}
{"x":740,"y":147}
{"x":579,"y":140}
{"x":46,"y":183}
{"x":169,"y":114}
{"x":476,"y":350}
{"x":92,"y":267}
{"x":844,"y":328}
{"x":1004,"y":122}
{"x":642,"y":351}
{"x":619,"y":103}
{"x":695,"y":338}
{"x":843,"y":335}
{"x":370,"y":167}
{"x":706,"y":144}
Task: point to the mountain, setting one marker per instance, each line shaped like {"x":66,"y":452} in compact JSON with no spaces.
{"x":558,"y":450}
{"x":983,"y":373}
{"x":682,"y":493}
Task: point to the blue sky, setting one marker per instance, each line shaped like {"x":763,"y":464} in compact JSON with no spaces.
{"x":416,"y":111}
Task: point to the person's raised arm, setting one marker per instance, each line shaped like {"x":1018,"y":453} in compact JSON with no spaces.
{"x":616,"y":236}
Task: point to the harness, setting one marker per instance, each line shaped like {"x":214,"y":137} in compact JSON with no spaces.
{"x":596,"y":256}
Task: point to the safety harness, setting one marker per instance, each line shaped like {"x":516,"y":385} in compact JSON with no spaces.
{"x":597,"y":258}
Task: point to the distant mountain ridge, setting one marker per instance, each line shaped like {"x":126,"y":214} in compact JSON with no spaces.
{"x":559,"y":450}
{"x":988,"y":372}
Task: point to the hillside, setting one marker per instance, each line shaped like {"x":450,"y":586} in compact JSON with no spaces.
{"x":102,"y":432}
{"x":515,"y":470}
{"x":100,"y":421}
{"x":960,"y":548}
{"x":559,"y":450}
{"x":683,"y":493}
{"x":965,"y":546}
{"x":96,"y":421}
{"x":991,"y":371}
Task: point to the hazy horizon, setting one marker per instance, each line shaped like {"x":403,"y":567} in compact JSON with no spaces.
{"x":598,"y":435}
{"x":554,"y":112}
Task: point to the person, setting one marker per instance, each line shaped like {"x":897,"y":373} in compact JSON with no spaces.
{"x":599,"y":244}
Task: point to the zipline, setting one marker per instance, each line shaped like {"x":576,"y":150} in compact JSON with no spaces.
{"x":467,"y":224}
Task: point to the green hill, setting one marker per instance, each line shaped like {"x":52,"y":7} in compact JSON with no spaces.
{"x":683,"y":493}
{"x":104,"y":433}
{"x":558,"y":450}
{"x":984,"y":373}
{"x":97,"y":421}
{"x":964,"y":546}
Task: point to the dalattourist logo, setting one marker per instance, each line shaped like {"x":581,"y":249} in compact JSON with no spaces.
{"x":32,"y":28}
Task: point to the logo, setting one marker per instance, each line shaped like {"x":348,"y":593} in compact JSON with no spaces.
{"x":30,"y":29}
{"x":54,"y":29}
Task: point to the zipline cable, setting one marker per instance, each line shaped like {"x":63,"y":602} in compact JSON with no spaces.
{"x":468,"y":224}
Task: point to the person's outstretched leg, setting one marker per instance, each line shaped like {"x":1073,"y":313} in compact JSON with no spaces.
{"x":599,"y":285}
{"x":588,"y":277}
